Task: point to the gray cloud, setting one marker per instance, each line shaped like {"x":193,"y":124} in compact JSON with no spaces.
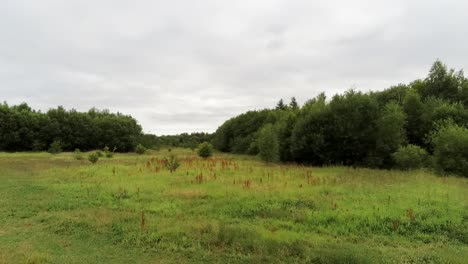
{"x":184,"y":66}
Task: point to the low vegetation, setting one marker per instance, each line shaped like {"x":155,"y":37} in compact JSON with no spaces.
{"x":411,"y":157}
{"x":140,"y":149}
{"x":171,"y":163}
{"x":205,"y":150}
{"x":226,"y":209}
{"x":78,"y":154}
{"x":93,"y":157}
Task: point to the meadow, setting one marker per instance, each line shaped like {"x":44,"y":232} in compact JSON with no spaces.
{"x":225,"y":209}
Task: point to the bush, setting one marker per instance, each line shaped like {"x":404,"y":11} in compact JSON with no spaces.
{"x":109,"y":154}
{"x":205,"y":150}
{"x":93,"y":157}
{"x":410,"y":157}
{"x":450,"y":144}
{"x":78,"y":155}
{"x":99,"y":153}
{"x":55,"y":147}
{"x":140,"y":149}
{"x":171,"y":163}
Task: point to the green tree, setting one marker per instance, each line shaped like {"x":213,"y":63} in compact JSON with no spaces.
{"x":140,"y":149}
{"x":238,"y":134}
{"x":309,"y":136}
{"x":293,"y":105}
{"x":410,"y":157}
{"x":285,"y":129}
{"x":268,"y":143}
{"x":351,"y":132}
{"x":450,"y":143}
{"x":55,"y":147}
{"x":205,"y":150}
{"x":441,"y":83}
{"x":171,"y":163}
{"x":417,"y":120}
{"x":280,"y":105}
{"x":390,"y":134}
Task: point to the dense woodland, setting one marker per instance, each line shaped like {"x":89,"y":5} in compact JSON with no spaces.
{"x":183,"y":140}
{"x":24,"y":129}
{"x":420,"y":124}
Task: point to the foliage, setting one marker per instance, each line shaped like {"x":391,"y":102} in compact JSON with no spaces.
{"x":450,"y":143}
{"x":183,"y":140}
{"x":237,"y":134}
{"x":205,"y":150}
{"x":390,"y":135}
{"x":171,"y":163}
{"x":418,"y":122}
{"x":140,"y":149}
{"x":268,"y":145}
{"x":354,"y":128}
{"x":93,"y":157}
{"x":285,"y":128}
{"x":108,"y":153}
{"x":442,"y":83}
{"x":410,"y":157}
{"x":309,"y":132}
{"x":293,"y":105}
{"x":23,"y":129}
{"x":55,"y":147}
{"x":77,"y":154}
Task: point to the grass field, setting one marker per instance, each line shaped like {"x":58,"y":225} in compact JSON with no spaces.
{"x":228,"y":209}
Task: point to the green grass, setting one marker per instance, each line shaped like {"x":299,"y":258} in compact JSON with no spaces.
{"x":228,"y":209}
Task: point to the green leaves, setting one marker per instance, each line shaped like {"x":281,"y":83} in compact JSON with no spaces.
{"x":205,"y":150}
{"x":268,"y":143}
{"x":450,"y":143}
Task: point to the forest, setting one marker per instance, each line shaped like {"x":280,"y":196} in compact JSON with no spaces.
{"x":24,"y":129}
{"x":420,"y":124}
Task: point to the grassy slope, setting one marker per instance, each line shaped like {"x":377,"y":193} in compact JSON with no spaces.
{"x":59,"y":210}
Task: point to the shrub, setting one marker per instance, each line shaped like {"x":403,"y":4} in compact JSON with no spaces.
{"x":450,"y":144}
{"x":99,"y":153}
{"x":78,"y":155}
{"x":171,"y":163}
{"x":410,"y":157}
{"x":108,"y":153}
{"x":140,"y":149}
{"x":93,"y":157}
{"x":205,"y":150}
{"x":55,"y":147}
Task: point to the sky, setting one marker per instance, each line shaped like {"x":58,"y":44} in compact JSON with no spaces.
{"x":187,"y":66}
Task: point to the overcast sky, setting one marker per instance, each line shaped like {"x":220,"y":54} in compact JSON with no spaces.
{"x":184,"y":66}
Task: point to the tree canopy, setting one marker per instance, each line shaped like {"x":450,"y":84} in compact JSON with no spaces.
{"x":356,"y":128}
{"x":24,"y":129}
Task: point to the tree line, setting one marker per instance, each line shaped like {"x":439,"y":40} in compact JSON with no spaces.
{"x":184,"y":140}
{"x":424,"y":120}
{"x":25,"y":129}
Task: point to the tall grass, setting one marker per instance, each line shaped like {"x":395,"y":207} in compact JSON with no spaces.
{"x":227,"y":208}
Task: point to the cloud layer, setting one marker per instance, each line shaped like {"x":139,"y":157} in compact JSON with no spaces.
{"x":183,"y":66}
